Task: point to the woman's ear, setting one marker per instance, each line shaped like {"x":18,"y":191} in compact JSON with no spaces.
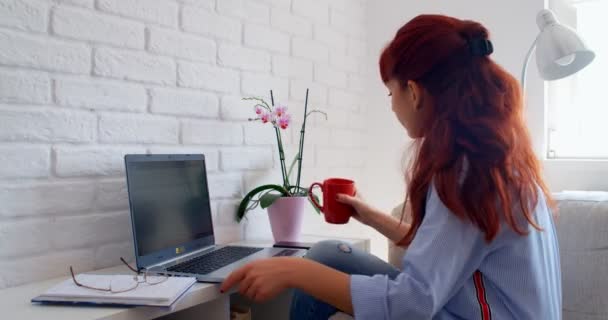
{"x":415,"y":91}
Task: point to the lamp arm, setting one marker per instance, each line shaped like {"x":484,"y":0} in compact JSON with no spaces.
{"x":526,"y":63}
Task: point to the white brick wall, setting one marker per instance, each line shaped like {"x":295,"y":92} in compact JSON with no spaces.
{"x":183,"y":102}
{"x":24,"y":161}
{"x":284,"y":66}
{"x":345,"y":63}
{"x":203,"y":76}
{"x":315,"y":10}
{"x":256,"y":135}
{"x":83,"y":24}
{"x":100,"y":95}
{"x":331,"y":38}
{"x":309,"y":49}
{"x":212,"y":133}
{"x":24,"y":87}
{"x":290,"y":23}
{"x":132,"y":65}
{"x":329,"y":76}
{"x":257,"y":84}
{"x":48,"y":198}
{"x":25,"y":124}
{"x":83,"y":82}
{"x":80,"y":3}
{"x":163,"y":12}
{"x":317,"y":95}
{"x":267,"y":38}
{"x":249,"y":158}
{"x":225,"y":186}
{"x":344,"y":99}
{"x":235,"y":108}
{"x":24,"y":15}
{"x":116,"y":128}
{"x":16,"y":271}
{"x":248,"y":10}
{"x":207,"y":22}
{"x":175,"y":44}
{"x":35,"y":51}
{"x":90,"y":161}
{"x":233,"y":56}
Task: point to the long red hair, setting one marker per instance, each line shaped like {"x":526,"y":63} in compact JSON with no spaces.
{"x":475,"y":147}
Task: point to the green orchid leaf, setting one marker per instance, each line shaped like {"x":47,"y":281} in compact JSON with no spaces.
{"x":262,"y":194}
{"x":242,"y":209}
{"x":268,"y":199}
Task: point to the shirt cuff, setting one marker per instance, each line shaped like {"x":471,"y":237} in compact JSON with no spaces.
{"x":369,"y":296}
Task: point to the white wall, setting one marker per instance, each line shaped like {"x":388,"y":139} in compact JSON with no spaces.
{"x":84,"y":82}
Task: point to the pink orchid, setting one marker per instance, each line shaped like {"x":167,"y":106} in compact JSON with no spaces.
{"x":258,"y":110}
{"x":280,"y":110}
{"x":265,"y":117}
{"x":284,"y":121}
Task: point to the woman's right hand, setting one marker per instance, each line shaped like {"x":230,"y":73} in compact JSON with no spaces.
{"x":364,"y":213}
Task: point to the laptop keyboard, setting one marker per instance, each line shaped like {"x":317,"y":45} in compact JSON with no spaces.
{"x":214,"y":260}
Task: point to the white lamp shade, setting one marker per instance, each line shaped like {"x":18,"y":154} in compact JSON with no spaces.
{"x":560,"y":52}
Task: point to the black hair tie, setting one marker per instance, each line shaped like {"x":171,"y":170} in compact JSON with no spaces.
{"x":481,"y":47}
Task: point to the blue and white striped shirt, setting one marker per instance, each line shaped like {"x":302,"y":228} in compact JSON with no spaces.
{"x":450,"y":272}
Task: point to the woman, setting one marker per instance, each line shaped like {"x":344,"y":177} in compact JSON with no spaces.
{"x":481,"y":243}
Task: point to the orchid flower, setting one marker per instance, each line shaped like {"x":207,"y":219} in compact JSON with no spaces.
{"x":266,"y":117}
{"x":280,"y":110}
{"x":258,"y":110}
{"x":283,"y":122}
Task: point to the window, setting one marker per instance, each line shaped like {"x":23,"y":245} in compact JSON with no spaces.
{"x":578,"y":107}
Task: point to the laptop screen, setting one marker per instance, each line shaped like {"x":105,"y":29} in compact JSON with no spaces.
{"x":170,"y":203}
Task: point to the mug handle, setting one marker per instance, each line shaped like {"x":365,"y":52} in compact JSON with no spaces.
{"x":312,"y":199}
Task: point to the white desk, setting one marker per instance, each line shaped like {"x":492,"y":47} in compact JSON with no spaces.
{"x":210,"y":304}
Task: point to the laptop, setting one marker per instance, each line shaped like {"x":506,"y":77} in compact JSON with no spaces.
{"x":172,"y":222}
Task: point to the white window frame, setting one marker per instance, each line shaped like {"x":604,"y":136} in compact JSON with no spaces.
{"x":562,"y":139}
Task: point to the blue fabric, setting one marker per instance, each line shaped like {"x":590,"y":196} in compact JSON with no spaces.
{"x":336,"y":254}
{"x":520,"y":275}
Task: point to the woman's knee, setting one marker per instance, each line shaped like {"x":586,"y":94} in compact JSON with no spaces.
{"x":331,"y":253}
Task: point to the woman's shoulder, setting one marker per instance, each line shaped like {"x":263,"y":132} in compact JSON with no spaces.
{"x":437,"y":212}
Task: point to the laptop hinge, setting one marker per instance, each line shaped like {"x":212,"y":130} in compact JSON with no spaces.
{"x":183,"y":257}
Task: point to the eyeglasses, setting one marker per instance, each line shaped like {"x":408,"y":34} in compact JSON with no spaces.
{"x":121,"y":284}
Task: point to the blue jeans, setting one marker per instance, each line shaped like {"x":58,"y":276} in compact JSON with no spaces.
{"x":342,"y":257}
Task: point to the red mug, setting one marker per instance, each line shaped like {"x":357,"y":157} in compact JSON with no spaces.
{"x":334,"y":211}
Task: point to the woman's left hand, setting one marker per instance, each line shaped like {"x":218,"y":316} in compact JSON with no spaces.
{"x":263,"y":279}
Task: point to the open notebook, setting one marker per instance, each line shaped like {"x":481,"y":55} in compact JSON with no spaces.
{"x":162,"y":294}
